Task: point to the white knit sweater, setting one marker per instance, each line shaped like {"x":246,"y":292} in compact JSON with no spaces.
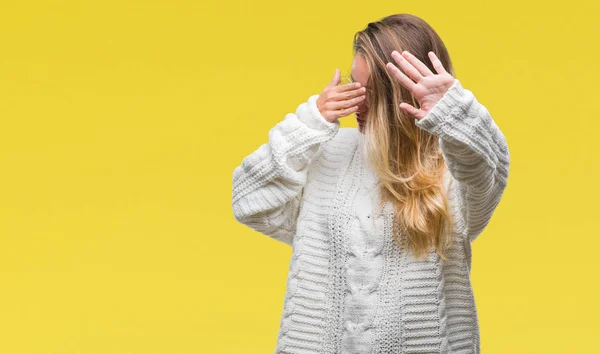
{"x":350,"y":288}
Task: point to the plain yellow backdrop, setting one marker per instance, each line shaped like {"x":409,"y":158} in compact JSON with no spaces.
{"x":122,"y":123}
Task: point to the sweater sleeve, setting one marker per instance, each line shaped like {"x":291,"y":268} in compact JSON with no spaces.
{"x":475,"y":151}
{"x":269,"y":183}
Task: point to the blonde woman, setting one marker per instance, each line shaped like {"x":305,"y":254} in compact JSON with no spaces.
{"x":380,"y":218}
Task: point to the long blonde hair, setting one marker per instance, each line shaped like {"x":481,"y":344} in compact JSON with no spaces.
{"x":407,"y":159}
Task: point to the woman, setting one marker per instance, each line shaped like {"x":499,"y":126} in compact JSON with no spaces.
{"x":381,"y":218}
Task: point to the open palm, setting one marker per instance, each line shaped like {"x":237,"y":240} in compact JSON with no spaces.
{"x":427,"y":87}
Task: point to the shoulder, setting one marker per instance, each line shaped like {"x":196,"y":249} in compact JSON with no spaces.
{"x":335,"y":153}
{"x":345,"y":137}
{"x":341,"y":146}
{"x":327,"y":170}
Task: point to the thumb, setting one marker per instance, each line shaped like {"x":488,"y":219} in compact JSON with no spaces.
{"x":336,"y":78}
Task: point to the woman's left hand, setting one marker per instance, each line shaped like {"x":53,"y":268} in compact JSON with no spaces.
{"x":427,"y":87}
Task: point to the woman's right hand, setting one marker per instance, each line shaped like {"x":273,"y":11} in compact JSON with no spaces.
{"x":339,"y":101}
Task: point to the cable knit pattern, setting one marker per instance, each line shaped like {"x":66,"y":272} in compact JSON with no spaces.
{"x":350,"y":288}
{"x":364,"y":264}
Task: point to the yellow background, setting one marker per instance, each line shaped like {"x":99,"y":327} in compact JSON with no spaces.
{"x":122,"y":122}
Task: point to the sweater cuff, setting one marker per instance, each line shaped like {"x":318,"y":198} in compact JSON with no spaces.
{"x":315,"y":120}
{"x":456,"y":100}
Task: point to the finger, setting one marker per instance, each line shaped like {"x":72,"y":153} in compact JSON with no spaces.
{"x":416,"y":113}
{"x":347,"y":87}
{"x":399,"y":75}
{"x":437,"y":64}
{"x":422,"y":68}
{"x":409,"y":69}
{"x":336,"y":78}
{"x":337,"y":105}
{"x":346,"y":111}
{"x":348,"y":94}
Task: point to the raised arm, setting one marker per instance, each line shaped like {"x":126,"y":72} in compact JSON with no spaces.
{"x":473,"y":146}
{"x":268,"y":185}
{"x":475,"y":151}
